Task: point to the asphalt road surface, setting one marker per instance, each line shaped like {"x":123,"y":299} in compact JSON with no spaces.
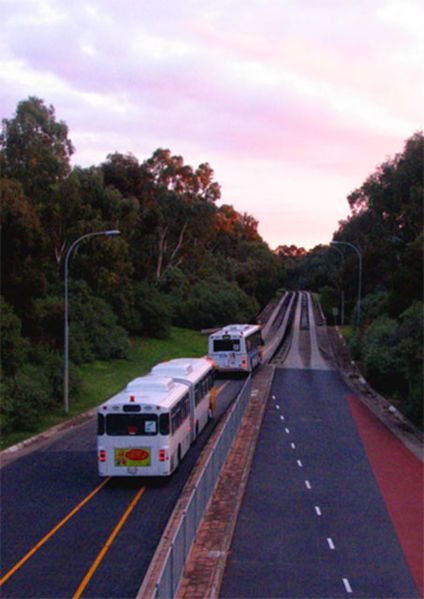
{"x":67,"y":533}
{"x":313,"y":523}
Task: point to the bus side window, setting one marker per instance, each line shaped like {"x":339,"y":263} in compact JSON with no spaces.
{"x":164,"y":424}
{"x":180,"y":412}
{"x":197,"y":393}
{"x":100,"y":424}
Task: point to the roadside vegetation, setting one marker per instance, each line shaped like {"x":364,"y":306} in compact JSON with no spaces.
{"x":99,"y":380}
{"x":180,"y":261}
{"x":386,"y":225}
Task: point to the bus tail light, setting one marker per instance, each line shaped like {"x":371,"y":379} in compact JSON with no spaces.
{"x":244,"y":363}
{"x":102,"y":455}
{"x":163,"y":455}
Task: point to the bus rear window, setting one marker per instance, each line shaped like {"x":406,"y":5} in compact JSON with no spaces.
{"x":226,"y":345}
{"x":131,"y":424}
{"x":164,"y":424}
{"x":100,"y":424}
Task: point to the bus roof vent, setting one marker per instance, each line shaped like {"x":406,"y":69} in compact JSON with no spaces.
{"x":151,"y":383}
{"x":176,"y":367}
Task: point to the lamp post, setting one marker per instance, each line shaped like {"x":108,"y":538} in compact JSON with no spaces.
{"x":359,"y":254}
{"x":339,"y":251}
{"x":66,"y":331}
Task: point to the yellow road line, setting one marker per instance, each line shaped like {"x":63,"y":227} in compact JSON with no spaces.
{"x":107,"y":545}
{"x":52,"y":532}
{"x":222,"y":387}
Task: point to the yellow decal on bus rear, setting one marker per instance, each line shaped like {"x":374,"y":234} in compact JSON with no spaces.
{"x":135,"y":456}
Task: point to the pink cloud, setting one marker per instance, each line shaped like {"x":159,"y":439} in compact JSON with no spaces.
{"x":324,"y":88}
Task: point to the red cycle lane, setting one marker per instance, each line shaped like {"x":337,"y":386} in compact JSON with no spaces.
{"x":400,"y":476}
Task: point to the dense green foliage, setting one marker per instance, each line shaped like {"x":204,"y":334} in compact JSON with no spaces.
{"x":183,"y":260}
{"x":99,"y":380}
{"x":180,"y":259}
{"x":386,"y":225}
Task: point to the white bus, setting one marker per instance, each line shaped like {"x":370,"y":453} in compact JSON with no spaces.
{"x":198,"y":375}
{"x":145,"y":430}
{"x":236,"y":348}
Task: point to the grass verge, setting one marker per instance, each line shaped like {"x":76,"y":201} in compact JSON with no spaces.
{"x":100,"y":380}
{"x":347,"y":332}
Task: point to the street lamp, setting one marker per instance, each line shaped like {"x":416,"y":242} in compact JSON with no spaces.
{"x":358,"y":313}
{"x":66,"y":335}
{"x":342,"y":298}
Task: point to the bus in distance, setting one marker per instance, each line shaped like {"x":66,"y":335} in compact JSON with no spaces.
{"x":198,"y":375}
{"x":236,"y":347}
{"x":145,"y":430}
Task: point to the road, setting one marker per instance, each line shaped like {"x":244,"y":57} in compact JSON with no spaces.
{"x":313,"y":523}
{"x":63,"y":532}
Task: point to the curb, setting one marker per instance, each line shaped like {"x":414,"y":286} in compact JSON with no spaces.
{"x":205,"y":566}
{"x":148,"y":585}
{"x":15,"y":451}
{"x":391,"y":417}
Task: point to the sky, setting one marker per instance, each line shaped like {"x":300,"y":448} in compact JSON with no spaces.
{"x":293,"y":103}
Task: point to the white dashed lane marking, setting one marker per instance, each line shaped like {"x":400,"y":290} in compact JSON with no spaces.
{"x":331,"y":543}
{"x":347,"y":585}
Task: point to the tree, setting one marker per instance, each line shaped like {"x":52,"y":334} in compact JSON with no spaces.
{"x":177,"y":196}
{"x":35,"y":148}
{"x":23,"y":267}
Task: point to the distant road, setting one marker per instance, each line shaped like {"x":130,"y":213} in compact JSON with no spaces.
{"x":313,"y":523}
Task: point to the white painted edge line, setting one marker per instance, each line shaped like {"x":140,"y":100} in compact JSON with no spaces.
{"x":318,"y":510}
{"x":308,"y":484}
{"x":299,"y":463}
{"x":347,"y":585}
{"x":331,"y":543}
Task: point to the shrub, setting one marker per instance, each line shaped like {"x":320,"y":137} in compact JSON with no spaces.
{"x":51,"y":362}
{"x":153,"y":311}
{"x":13,"y":346}
{"x":93,"y":330}
{"x":409,"y":349}
{"x":49,"y":320}
{"x":378,"y":354}
{"x":26,"y":396}
{"x":374,"y":305}
{"x":329,"y":299}
{"x":216,"y":302}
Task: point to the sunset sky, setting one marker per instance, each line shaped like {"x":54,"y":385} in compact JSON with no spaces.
{"x":292,"y":102}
